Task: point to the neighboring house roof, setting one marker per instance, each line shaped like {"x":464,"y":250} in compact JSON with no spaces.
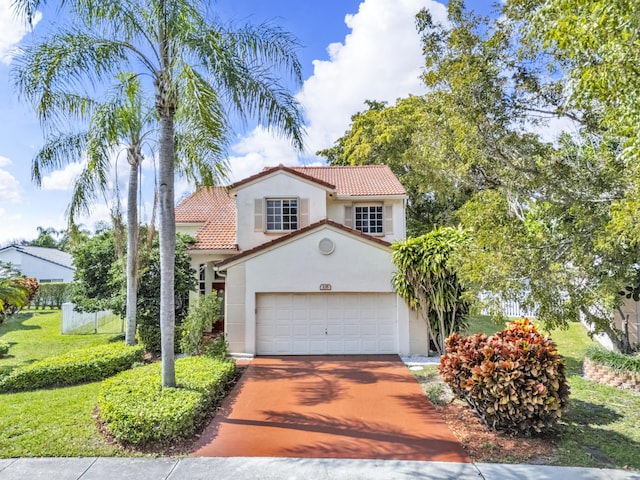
{"x":216,"y":210}
{"x":52,"y":255}
{"x":351,"y":181}
{"x":296,"y":233}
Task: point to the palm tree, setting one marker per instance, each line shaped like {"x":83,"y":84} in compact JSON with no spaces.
{"x":124,"y":118}
{"x":193,"y":64}
{"x":12,"y":290}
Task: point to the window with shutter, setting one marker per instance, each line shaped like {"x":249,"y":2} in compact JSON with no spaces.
{"x":281,"y":214}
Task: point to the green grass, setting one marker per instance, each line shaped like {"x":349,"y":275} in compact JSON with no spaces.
{"x":37,"y":335}
{"x":53,"y":422}
{"x":57,"y":422}
{"x":600,"y":425}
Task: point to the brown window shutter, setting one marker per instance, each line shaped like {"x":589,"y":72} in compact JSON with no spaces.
{"x":348,"y":216}
{"x":258,"y":216}
{"x":388,"y":219}
{"x":303,"y":211}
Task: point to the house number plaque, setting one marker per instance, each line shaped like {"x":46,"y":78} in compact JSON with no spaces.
{"x":325,"y":286}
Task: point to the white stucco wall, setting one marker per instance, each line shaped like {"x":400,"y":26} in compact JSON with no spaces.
{"x":298,"y":266}
{"x":280,"y":184}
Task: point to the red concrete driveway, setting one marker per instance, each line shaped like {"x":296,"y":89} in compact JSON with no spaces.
{"x":363,"y":406}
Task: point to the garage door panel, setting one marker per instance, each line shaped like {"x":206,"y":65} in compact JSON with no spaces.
{"x":329,"y":323}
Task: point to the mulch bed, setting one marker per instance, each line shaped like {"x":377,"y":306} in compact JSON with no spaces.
{"x":487,"y":446}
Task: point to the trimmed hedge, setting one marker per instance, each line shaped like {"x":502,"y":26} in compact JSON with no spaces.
{"x":135,"y":409}
{"x":52,"y":294}
{"x":4,"y":348}
{"x":71,"y":368}
{"x":614,"y":360}
{"x":515,"y":381}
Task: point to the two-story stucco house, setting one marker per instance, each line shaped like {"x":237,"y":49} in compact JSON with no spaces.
{"x":302,"y":256}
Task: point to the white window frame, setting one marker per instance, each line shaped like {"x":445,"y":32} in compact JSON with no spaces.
{"x":294,"y":219}
{"x":364,"y":225}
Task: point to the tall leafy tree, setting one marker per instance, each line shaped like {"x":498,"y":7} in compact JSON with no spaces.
{"x":193,"y":63}
{"x":122,"y":119}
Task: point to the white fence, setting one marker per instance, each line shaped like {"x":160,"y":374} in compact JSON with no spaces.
{"x":508,"y":308}
{"x":74,"y":322}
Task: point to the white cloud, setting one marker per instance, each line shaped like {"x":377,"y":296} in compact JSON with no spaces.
{"x":260,"y":149}
{"x":4,"y":161}
{"x":9,"y":188}
{"x":62,"y":179}
{"x":100,"y":212}
{"x":381,"y":59}
{"x":12,"y":30}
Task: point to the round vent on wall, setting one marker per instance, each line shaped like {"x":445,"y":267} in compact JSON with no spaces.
{"x":326,"y":246}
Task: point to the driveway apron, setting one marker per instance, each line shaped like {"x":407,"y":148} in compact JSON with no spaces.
{"x":360,"y":406}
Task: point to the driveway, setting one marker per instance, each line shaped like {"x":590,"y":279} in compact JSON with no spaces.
{"x":363,"y":406}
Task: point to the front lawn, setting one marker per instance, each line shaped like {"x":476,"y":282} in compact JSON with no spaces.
{"x":62,"y":421}
{"x":52,"y":423}
{"x":37,"y":335}
{"x":598,"y":429}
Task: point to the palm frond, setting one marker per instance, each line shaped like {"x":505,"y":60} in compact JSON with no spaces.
{"x":58,"y":150}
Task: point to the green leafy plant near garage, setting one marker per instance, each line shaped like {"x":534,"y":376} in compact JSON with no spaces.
{"x":429,"y":284}
{"x":73,"y":367}
{"x":137,"y":410}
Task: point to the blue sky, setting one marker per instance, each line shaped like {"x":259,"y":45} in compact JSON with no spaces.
{"x":352,"y":50}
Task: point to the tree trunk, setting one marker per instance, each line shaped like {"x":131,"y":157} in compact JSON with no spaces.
{"x":167,"y":252}
{"x":132,"y":252}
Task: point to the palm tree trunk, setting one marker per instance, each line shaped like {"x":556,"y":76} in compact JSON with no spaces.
{"x":167,"y":252}
{"x":166,"y":106}
{"x":132,"y":254}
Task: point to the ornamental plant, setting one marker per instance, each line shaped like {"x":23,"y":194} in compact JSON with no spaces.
{"x":514,"y":381}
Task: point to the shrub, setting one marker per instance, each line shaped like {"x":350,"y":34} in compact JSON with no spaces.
{"x":218,"y":348}
{"x":77,"y":366}
{"x":4,"y":348}
{"x":614,"y":360}
{"x":149,"y":336}
{"x":515,"y":381}
{"x":136,"y":409}
{"x":52,"y":294}
{"x":199,"y":321}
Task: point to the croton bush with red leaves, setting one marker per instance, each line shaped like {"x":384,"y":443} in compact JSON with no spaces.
{"x":514,"y":381}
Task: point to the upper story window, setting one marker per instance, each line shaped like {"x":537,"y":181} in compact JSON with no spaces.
{"x":282,"y":214}
{"x":369,"y":219}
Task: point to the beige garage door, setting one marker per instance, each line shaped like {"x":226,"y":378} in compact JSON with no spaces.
{"x":326,"y":323}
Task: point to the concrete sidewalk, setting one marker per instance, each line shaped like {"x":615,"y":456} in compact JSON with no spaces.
{"x":261,"y":468}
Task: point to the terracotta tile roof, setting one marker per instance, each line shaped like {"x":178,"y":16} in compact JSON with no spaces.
{"x":216,"y":209}
{"x":301,"y":231}
{"x":356,"y":181}
{"x":365,"y":180}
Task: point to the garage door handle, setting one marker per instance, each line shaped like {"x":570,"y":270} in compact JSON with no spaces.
{"x":325,"y":332}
